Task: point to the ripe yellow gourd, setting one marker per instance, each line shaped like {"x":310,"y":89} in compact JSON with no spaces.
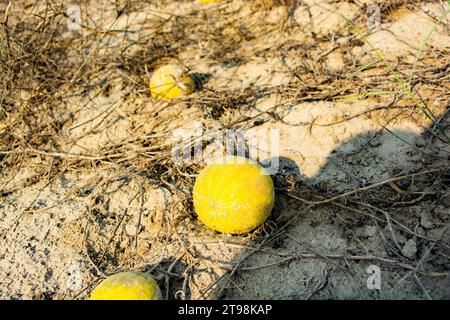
{"x":233,"y":195}
{"x":127,"y":286}
{"x":209,"y":1}
{"x":171,"y":81}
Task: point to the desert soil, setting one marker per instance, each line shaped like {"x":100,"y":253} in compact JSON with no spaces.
{"x":99,"y":194}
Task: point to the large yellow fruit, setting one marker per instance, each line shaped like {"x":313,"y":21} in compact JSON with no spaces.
{"x":233,"y":195}
{"x":127,"y":286}
{"x":171,"y":81}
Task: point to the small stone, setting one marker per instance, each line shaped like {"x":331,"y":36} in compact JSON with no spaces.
{"x":410,"y":249}
{"x":426,"y":220}
{"x":277,"y":15}
{"x":25,"y":95}
{"x":65,"y":183}
{"x":335,"y":62}
{"x":131,"y":230}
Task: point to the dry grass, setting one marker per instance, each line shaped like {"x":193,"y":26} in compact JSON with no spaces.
{"x":42,"y":65}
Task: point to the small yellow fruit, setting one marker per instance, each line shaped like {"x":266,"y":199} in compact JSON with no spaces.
{"x":233,"y":195}
{"x":171,"y":81}
{"x":209,"y":1}
{"x":127,"y":286}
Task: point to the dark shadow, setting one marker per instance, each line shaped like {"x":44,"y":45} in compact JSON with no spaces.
{"x":403,"y":221}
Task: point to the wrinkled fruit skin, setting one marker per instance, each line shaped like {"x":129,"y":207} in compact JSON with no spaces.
{"x":233,"y":196}
{"x":127,"y":286}
{"x":209,"y":1}
{"x":170,"y":82}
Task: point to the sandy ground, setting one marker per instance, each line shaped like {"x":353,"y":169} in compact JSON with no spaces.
{"x":61,"y":234}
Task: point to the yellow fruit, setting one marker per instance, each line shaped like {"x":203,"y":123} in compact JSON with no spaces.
{"x":233,"y":195}
{"x":127,"y":286}
{"x":171,"y":81}
{"x":209,"y":1}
